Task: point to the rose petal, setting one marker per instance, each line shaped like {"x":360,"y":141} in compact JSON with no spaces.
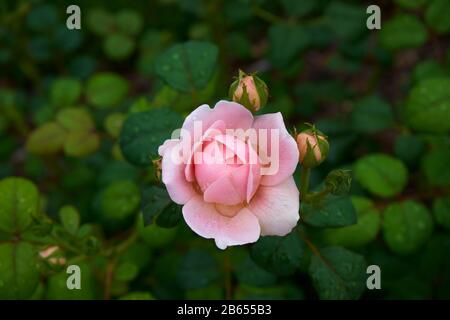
{"x":200,"y":114}
{"x":204,"y":219}
{"x":285,"y":162}
{"x":222,"y":191}
{"x":277,"y":208}
{"x":216,"y":128}
{"x":233,"y":114}
{"x":169,"y":143}
{"x":180,"y":190}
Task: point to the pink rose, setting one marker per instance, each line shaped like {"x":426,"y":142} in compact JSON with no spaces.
{"x":233,"y":174}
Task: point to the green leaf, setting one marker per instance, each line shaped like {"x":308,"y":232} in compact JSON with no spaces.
{"x":155,"y":236}
{"x":188,"y":66}
{"x":113,"y":123}
{"x":126,"y":271}
{"x":286,"y":42}
{"x":154,"y":201}
{"x":104,"y":90}
{"x":42,"y":18}
{"x":428,"y":69}
{"x":348,"y":21}
{"x":338,"y":274}
{"x":361,"y":233}
{"x":57,"y":285}
{"x":117,"y":170}
{"x":75,"y":119}
{"x":19,"y":202}
{"x":372,"y":114}
{"x":100,"y":21}
{"x":197,"y":269}
{"x":409,"y":148}
{"x":129,"y":21}
{"x":435,"y":164}
{"x":381,"y":174}
{"x":441,"y":211}
{"x":70,"y":219}
{"x":428,"y":106}
{"x":144,"y":132}
{"x":437,"y":16}
{"x":46,"y":139}
{"x":80,"y":144}
{"x":280,"y":255}
{"x":65,"y":92}
{"x":158,"y":207}
{"x":331,"y":211}
{"x":118,"y":46}
{"x":170,"y":216}
{"x":19,"y":275}
{"x":119,"y":200}
{"x":403,"y":31}
{"x":248,"y":272}
{"x":406,"y":226}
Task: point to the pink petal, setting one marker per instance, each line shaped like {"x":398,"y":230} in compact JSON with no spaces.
{"x":169,"y":143}
{"x":204,"y":219}
{"x":222,"y":191}
{"x":233,"y":114}
{"x":200,"y":114}
{"x":254,"y":176}
{"x":288,"y":152}
{"x":180,"y":190}
{"x":277,"y":208}
{"x":216,"y":128}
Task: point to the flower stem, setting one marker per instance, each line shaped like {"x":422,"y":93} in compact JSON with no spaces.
{"x":304,"y":182}
{"x":313,"y":196}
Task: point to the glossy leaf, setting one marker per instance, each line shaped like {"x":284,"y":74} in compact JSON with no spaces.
{"x":19,"y":202}
{"x":144,"y":132}
{"x":338,"y":273}
{"x":381,"y":174}
{"x":280,"y":255}
{"x":406,"y":226}
{"x":188,"y":66}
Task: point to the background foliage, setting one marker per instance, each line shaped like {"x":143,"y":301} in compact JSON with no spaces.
{"x":82,"y":113}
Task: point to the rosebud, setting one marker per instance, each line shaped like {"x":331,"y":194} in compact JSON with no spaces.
{"x":249,"y":91}
{"x":313,"y":147}
{"x":338,"y":182}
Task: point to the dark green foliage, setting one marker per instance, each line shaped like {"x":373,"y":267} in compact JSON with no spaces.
{"x":83,"y":112}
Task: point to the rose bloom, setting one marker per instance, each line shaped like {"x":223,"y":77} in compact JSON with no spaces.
{"x":225,"y":193}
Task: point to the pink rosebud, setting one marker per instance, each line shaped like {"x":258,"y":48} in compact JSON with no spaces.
{"x":232,"y":173}
{"x":249,"y":91}
{"x":313,"y":147}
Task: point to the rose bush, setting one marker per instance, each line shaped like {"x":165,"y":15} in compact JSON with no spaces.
{"x":225,"y":193}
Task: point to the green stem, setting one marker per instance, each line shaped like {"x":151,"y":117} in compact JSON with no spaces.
{"x":304,"y":182}
{"x":316,"y":195}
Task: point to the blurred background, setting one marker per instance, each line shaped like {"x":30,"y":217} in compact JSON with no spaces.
{"x":381,"y":96}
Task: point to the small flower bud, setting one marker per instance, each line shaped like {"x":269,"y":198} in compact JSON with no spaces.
{"x":338,"y":182}
{"x":249,"y":91}
{"x":313,"y":147}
